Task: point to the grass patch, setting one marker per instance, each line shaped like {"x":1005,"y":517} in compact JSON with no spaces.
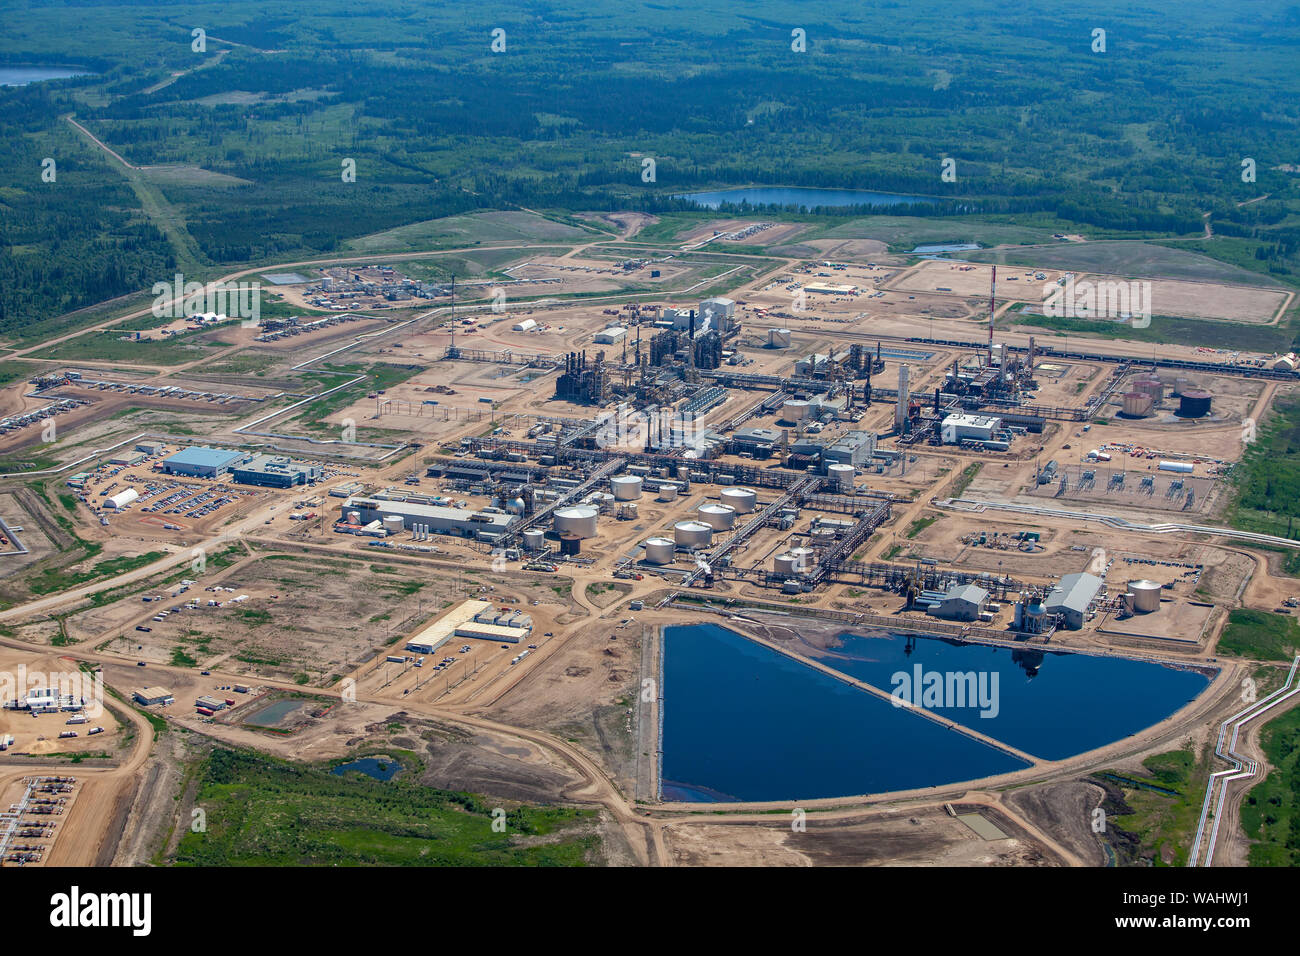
{"x":1268,"y":813}
{"x":267,"y":812}
{"x":1260,"y":635}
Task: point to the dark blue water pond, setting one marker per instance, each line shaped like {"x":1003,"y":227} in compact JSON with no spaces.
{"x":1052,"y":705}
{"x":800,"y":196}
{"x":742,"y":722}
{"x":381,"y":768}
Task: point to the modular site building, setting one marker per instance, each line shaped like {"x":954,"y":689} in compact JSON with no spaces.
{"x":201,"y":462}
{"x":149,"y":696}
{"x":275,"y":471}
{"x":440,"y":631}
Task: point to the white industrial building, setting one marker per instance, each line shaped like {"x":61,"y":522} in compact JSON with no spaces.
{"x":610,"y":336}
{"x":718,"y":313}
{"x":439,"y":519}
{"x":957,"y":428}
{"x":527,"y":325}
{"x":852,"y":448}
{"x":1072,"y":597}
{"x":120,"y":500}
{"x":962,"y":602}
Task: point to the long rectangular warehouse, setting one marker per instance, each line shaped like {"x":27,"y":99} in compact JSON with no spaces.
{"x":492,"y":632}
{"x":439,"y":519}
{"x":436,"y":634}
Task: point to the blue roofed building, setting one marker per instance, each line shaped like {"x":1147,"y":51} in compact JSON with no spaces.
{"x":199,"y":461}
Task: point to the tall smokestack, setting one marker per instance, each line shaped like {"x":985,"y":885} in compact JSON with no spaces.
{"x":900,"y":412}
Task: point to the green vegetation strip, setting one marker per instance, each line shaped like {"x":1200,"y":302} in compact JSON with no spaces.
{"x":267,"y":812}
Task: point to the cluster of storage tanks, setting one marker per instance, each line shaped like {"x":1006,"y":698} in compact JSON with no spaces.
{"x":793,"y":562}
{"x":1148,"y":389}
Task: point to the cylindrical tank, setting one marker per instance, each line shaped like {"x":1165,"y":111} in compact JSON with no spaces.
{"x":667,"y":492}
{"x":534,"y":539}
{"x":602,"y":501}
{"x":1150,"y":384}
{"x":778,"y":338}
{"x":692,"y":534}
{"x":786,"y":563}
{"x":579,"y":520}
{"x":393,"y":523}
{"x":804,"y":556}
{"x":570,"y":544}
{"x":795,"y":410}
{"x":1137,"y":404}
{"x":354,"y":517}
{"x":659,"y":550}
{"x":1194,"y":403}
{"x":1146,"y":596}
{"x":627,"y":510}
{"x":841,"y":476}
{"x":743,"y":500}
{"x":626,"y":487}
{"x":718,"y":517}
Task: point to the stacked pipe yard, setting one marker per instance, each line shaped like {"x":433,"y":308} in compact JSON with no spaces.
{"x":579,"y":521}
{"x":718,"y":517}
{"x":626,"y":487}
{"x":841,"y":476}
{"x":659,"y":550}
{"x":692,"y":534}
{"x":742,"y":500}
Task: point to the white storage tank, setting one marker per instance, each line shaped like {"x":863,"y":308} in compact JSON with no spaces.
{"x":692,"y":534}
{"x":841,"y":476}
{"x":718,"y":517}
{"x":788,"y":563}
{"x":795,"y":410}
{"x":667,"y":492}
{"x":626,"y":487}
{"x":1146,"y":596}
{"x":393,"y":524}
{"x":742,"y":500}
{"x":659,"y":551}
{"x":354,"y":517}
{"x":534,"y":539}
{"x":601,"y":501}
{"x":804,"y":556}
{"x":778,"y":338}
{"x":579,"y":521}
